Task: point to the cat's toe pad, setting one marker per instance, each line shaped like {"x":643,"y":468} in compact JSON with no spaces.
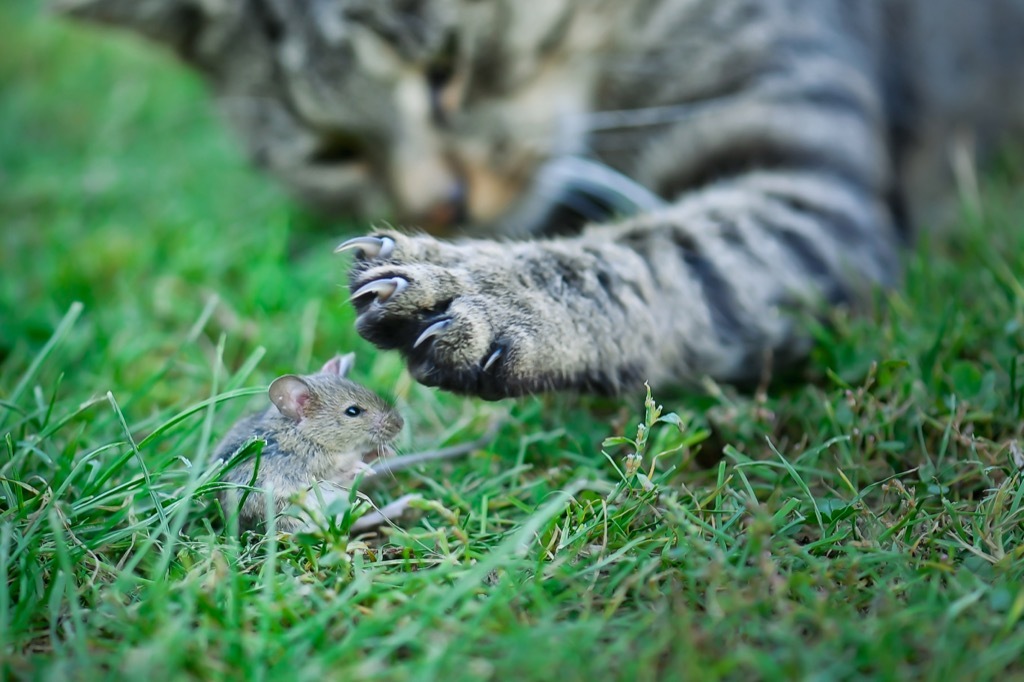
{"x":442,"y":309}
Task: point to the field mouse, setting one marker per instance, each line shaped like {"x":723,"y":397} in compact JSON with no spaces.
{"x":321,"y":429}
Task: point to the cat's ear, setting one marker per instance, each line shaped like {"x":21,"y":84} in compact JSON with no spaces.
{"x":175,"y":23}
{"x":290,"y":394}
{"x":339,"y":365}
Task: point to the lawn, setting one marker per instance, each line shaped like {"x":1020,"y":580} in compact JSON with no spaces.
{"x":862,"y":521}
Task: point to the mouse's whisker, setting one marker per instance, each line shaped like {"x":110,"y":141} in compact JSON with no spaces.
{"x":385,"y":453}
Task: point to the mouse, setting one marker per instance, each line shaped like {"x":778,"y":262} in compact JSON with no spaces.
{"x":320,"y":429}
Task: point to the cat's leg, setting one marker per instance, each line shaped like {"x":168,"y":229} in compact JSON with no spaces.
{"x":496,"y":319}
{"x":784,"y":190}
{"x":714,"y":285}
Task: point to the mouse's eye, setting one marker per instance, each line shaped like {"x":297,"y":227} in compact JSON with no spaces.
{"x":353,"y":410}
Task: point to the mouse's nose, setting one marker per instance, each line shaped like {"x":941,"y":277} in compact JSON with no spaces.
{"x":387,"y":426}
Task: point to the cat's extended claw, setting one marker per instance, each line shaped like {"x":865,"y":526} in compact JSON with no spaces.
{"x":371,"y":247}
{"x":432,"y":330}
{"x":383,"y":289}
{"x":492,"y":359}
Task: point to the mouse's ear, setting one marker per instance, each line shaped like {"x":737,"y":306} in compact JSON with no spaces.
{"x":290,"y":395}
{"x":339,"y":365}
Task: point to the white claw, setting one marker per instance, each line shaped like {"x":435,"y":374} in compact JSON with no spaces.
{"x":432,"y":330}
{"x":491,"y":360}
{"x":383,"y":289}
{"x":372,"y":247}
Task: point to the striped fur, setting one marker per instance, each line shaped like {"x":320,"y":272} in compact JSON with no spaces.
{"x":680,"y":180}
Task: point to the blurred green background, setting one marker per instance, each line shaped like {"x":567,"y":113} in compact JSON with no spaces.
{"x":865,"y":522}
{"x":119,"y":188}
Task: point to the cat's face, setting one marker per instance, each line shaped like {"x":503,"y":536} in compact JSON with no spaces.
{"x":434,"y":112}
{"x":437,"y":113}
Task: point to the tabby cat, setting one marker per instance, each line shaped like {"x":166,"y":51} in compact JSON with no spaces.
{"x":642,"y":189}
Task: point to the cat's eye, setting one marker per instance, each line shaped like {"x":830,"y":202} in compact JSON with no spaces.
{"x":353,"y":411}
{"x":439,"y":74}
{"x":441,"y":68}
{"x":337,"y":148}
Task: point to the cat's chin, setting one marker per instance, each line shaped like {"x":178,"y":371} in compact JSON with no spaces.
{"x":336,"y":190}
{"x":567,"y":194}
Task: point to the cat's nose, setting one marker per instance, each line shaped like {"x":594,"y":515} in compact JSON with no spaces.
{"x":449,"y":211}
{"x":429,"y":194}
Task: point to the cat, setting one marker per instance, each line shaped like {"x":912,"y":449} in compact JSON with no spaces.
{"x":638,"y":190}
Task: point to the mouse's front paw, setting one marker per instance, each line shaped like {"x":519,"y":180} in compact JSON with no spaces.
{"x":390,"y":513}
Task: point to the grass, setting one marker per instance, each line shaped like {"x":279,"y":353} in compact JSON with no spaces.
{"x":864,"y":523}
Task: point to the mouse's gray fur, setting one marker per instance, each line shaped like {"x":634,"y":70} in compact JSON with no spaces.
{"x":319,"y":430}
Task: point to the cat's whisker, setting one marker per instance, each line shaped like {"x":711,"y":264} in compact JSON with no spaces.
{"x":617,"y":119}
{"x":592,"y":182}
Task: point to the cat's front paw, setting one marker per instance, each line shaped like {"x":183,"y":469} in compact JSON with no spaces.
{"x":442,"y":308}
